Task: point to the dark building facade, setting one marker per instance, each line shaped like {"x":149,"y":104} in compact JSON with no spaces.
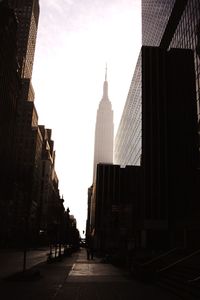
{"x":31,"y":210}
{"x":89,"y":210}
{"x":169,"y":143}
{"x":28,"y":139}
{"x":118,"y":195}
{"x":27,"y":175}
{"x":27,"y":14}
{"x":152,"y":134}
{"x":49,"y":195}
{"x":107,"y":203}
{"x":9,"y":91}
{"x":158,"y":128}
{"x":175,"y":24}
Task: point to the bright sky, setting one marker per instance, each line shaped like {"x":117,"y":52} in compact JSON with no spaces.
{"x":76,"y":38}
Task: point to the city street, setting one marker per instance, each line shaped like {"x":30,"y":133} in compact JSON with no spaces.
{"x":76,"y":278}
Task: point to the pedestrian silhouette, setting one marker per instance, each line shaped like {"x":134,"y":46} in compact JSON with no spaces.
{"x":90,"y":247}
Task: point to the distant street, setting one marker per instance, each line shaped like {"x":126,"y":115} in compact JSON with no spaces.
{"x":76,"y":278}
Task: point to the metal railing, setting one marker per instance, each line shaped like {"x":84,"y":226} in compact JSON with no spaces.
{"x":160,"y":256}
{"x":180,"y":260}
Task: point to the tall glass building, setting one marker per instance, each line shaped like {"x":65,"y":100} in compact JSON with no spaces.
{"x":127,"y":146}
{"x":158,"y":127}
{"x":173,"y":24}
{"x":167,"y":24}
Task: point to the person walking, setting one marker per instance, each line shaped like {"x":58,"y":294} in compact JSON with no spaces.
{"x":90,"y":247}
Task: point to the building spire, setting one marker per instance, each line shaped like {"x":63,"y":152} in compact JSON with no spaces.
{"x":106,"y":73}
{"x":105,"y":86}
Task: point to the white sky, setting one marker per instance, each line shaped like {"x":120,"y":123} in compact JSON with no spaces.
{"x":76,"y":38}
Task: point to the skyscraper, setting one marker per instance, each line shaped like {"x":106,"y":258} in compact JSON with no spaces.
{"x":167,"y":24}
{"x":160,"y":120}
{"x":27,"y":14}
{"x":26,"y":153}
{"x":104,"y":131}
{"x":176,"y":24}
{"x":103,"y":148}
{"x":9,"y":81}
{"x":9,"y":93}
{"x":27,"y":143}
{"x":173,"y":24}
{"x":128,"y":146}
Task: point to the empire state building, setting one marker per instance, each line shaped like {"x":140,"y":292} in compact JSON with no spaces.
{"x":104,"y":131}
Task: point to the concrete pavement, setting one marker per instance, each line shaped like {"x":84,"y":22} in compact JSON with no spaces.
{"x":93,"y":280}
{"x":11,"y":261}
{"x":76,"y":278}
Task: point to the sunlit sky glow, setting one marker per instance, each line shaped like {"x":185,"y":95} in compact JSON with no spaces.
{"x":76,"y":38}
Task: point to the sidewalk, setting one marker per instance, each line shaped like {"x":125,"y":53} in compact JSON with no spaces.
{"x":76,"y":278}
{"x":11,"y":261}
{"x":93,"y":280}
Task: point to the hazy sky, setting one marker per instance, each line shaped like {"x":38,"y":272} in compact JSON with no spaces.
{"x":76,"y":38}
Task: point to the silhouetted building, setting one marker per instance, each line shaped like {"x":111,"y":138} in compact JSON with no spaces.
{"x":169,"y":146}
{"x":28,"y":139}
{"x":27,"y":171}
{"x":158,"y":128}
{"x":89,"y":210}
{"x":49,"y":192}
{"x":161,"y":96}
{"x":27,"y":13}
{"x":118,"y":197}
{"x":29,"y":194}
{"x":21,"y":141}
{"x":9,"y":91}
{"x":131,"y":208}
{"x":107,"y":198}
